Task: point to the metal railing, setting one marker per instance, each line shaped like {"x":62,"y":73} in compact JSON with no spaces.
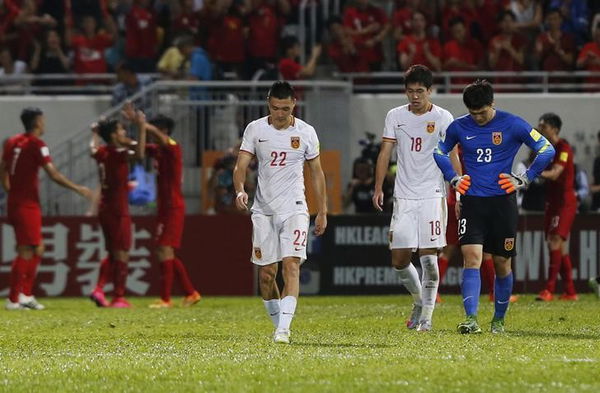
{"x":449,"y":82}
{"x":71,"y":83}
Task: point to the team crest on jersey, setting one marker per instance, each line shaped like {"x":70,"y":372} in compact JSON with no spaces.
{"x":295,"y":140}
{"x":430,"y":126}
{"x":509,"y":243}
{"x":497,"y":137}
{"x":257,"y":253}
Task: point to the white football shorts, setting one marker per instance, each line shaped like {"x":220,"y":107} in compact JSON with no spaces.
{"x":418,"y":223}
{"x":278,"y":236}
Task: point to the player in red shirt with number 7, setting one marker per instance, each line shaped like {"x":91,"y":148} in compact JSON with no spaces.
{"x":167,"y":155}
{"x":23,"y":156}
{"x":561,"y":206}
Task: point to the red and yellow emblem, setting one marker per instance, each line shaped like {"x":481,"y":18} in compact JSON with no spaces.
{"x":509,"y":243}
{"x":497,"y":137}
{"x":430,"y":126}
{"x":295,"y":141}
{"x":257,"y":253}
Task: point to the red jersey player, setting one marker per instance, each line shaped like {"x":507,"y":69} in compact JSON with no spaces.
{"x":22,"y":157}
{"x":561,"y":206}
{"x":167,"y":156}
{"x":113,"y":213}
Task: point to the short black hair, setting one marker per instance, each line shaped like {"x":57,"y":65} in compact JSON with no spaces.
{"x":288,"y":42}
{"x":125,"y":66}
{"x":478,"y":94}
{"x":106,"y":128}
{"x":552,"y":119}
{"x":456,"y":20}
{"x":419,"y":74}
{"x":281,"y":90}
{"x":163,"y":122}
{"x":505,"y":13}
{"x":28,"y":117}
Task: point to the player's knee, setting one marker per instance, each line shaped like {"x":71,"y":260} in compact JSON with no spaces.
{"x":39,"y":250}
{"x":266,"y":274}
{"x":400,"y":263}
{"x":554,"y":242}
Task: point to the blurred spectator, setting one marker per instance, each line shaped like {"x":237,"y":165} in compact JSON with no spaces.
{"x":221,"y":182}
{"x":187,"y":21}
{"x":589,"y":58}
{"x":129,"y":84}
{"x":403,"y":16}
{"x":8,"y":14}
{"x":487,"y":21}
{"x":227,"y":37}
{"x":90,"y":44}
{"x":30,"y":26}
{"x":9,"y":66}
{"x":595,"y":187}
{"x":465,"y":10}
{"x":576,"y":16}
{"x":528,"y":16}
{"x":289,"y":68}
{"x":141,"y":37}
{"x":265,"y":21}
{"x":417,"y":48}
{"x":461,"y":53}
{"x":200,"y":65}
{"x":57,"y":9}
{"x":507,"y":49}
{"x":368,"y":25}
{"x":341,"y":48}
{"x":49,"y":58}
{"x":360,"y":189}
{"x":80,"y":8}
{"x":555,"y":48}
{"x":174,"y":63}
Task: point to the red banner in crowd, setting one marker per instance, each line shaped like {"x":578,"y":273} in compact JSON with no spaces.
{"x":215,"y":250}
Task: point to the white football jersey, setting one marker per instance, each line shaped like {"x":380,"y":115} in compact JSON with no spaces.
{"x":281,"y":155}
{"x":416,"y":136}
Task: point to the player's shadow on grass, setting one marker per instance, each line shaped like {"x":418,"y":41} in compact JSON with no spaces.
{"x":569,"y":336}
{"x":341,"y":345}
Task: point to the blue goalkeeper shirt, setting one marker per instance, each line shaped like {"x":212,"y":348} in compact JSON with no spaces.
{"x":489,"y":150}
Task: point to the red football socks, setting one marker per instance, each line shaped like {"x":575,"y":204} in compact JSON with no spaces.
{"x":166,"y":279}
{"x":184,"y":278}
{"x":566,"y":271}
{"x":554,"y":268}
{"x":105,"y":273}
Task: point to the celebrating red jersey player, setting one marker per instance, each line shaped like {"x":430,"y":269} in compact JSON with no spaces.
{"x":22,"y":157}
{"x":171,"y":207}
{"x":113,"y":168}
{"x":561,"y":206}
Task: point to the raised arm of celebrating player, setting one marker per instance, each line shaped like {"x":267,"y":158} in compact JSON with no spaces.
{"x":383,"y":161}
{"x":320,"y":189}
{"x":239,"y":179}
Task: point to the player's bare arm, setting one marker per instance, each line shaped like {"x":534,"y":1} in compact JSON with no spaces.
{"x":4,"y":177}
{"x":320,"y":188}
{"x":95,"y":141}
{"x":239,"y":179}
{"x":383,"y":162}
{"x":62,"y":180}
{"x":553,"y":173}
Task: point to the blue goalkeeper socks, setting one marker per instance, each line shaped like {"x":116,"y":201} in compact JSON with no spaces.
{"x":471,"y":288}
{"x":502,"y":292}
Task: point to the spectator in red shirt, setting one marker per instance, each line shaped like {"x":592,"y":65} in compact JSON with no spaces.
{"x":289,"y":68}
{"x":367,"y":25}
{"x":141,"y":37}
{"x":341,"y":49}
{"x":507,"y":49}
{"x":30,"y":26}
{"x":416,"y":48}
{"x":90,"y":44}
{"x":265,"y":21}
{"x":461,"y":53}
{"x":187,"y":22}
{"x":555,"y":48}
{"x":8,"y":13}
{"x":403,"y":16}
{"x":464,"y":9}
{"x":589,"y":58}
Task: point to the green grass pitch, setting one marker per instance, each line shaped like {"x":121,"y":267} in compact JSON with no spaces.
{"x":339,"y":344}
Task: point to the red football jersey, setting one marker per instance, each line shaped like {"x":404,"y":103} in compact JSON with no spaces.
{"x":562,"y":190}
{"x":141,"y":38}
{"x":23,"y":156}
{"x":289,"y":69}
{"x":169,"y":163}
{"x":89,"y":53}
{"x":113,"y":169}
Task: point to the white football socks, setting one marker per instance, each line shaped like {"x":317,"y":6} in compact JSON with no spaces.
{"x":430,"y":283}
{"x":409,"y":277}
{"x":288,"y":308}
{"x":273,"y":309}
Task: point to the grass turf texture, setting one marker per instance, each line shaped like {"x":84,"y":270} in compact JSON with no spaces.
{"x":339,"y":344}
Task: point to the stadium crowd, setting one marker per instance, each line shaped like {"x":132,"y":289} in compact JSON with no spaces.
{"x":242,"y":37}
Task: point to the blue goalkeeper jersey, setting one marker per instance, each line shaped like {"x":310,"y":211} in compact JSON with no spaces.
{"x":489,"y":150}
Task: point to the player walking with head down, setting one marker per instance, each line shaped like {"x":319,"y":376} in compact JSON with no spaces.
{"x":282,"y":144}
{"x":419,"y":215}
{"x":23,"y":156}
{"x":490,"y":139}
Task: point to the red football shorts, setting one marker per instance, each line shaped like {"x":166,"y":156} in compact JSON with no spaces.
{"x":558,"y":221}
{"x":169,"y":227}
{"x":116,"y":230}
{"x":451,"y":226}
{"x":27,"y":223}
